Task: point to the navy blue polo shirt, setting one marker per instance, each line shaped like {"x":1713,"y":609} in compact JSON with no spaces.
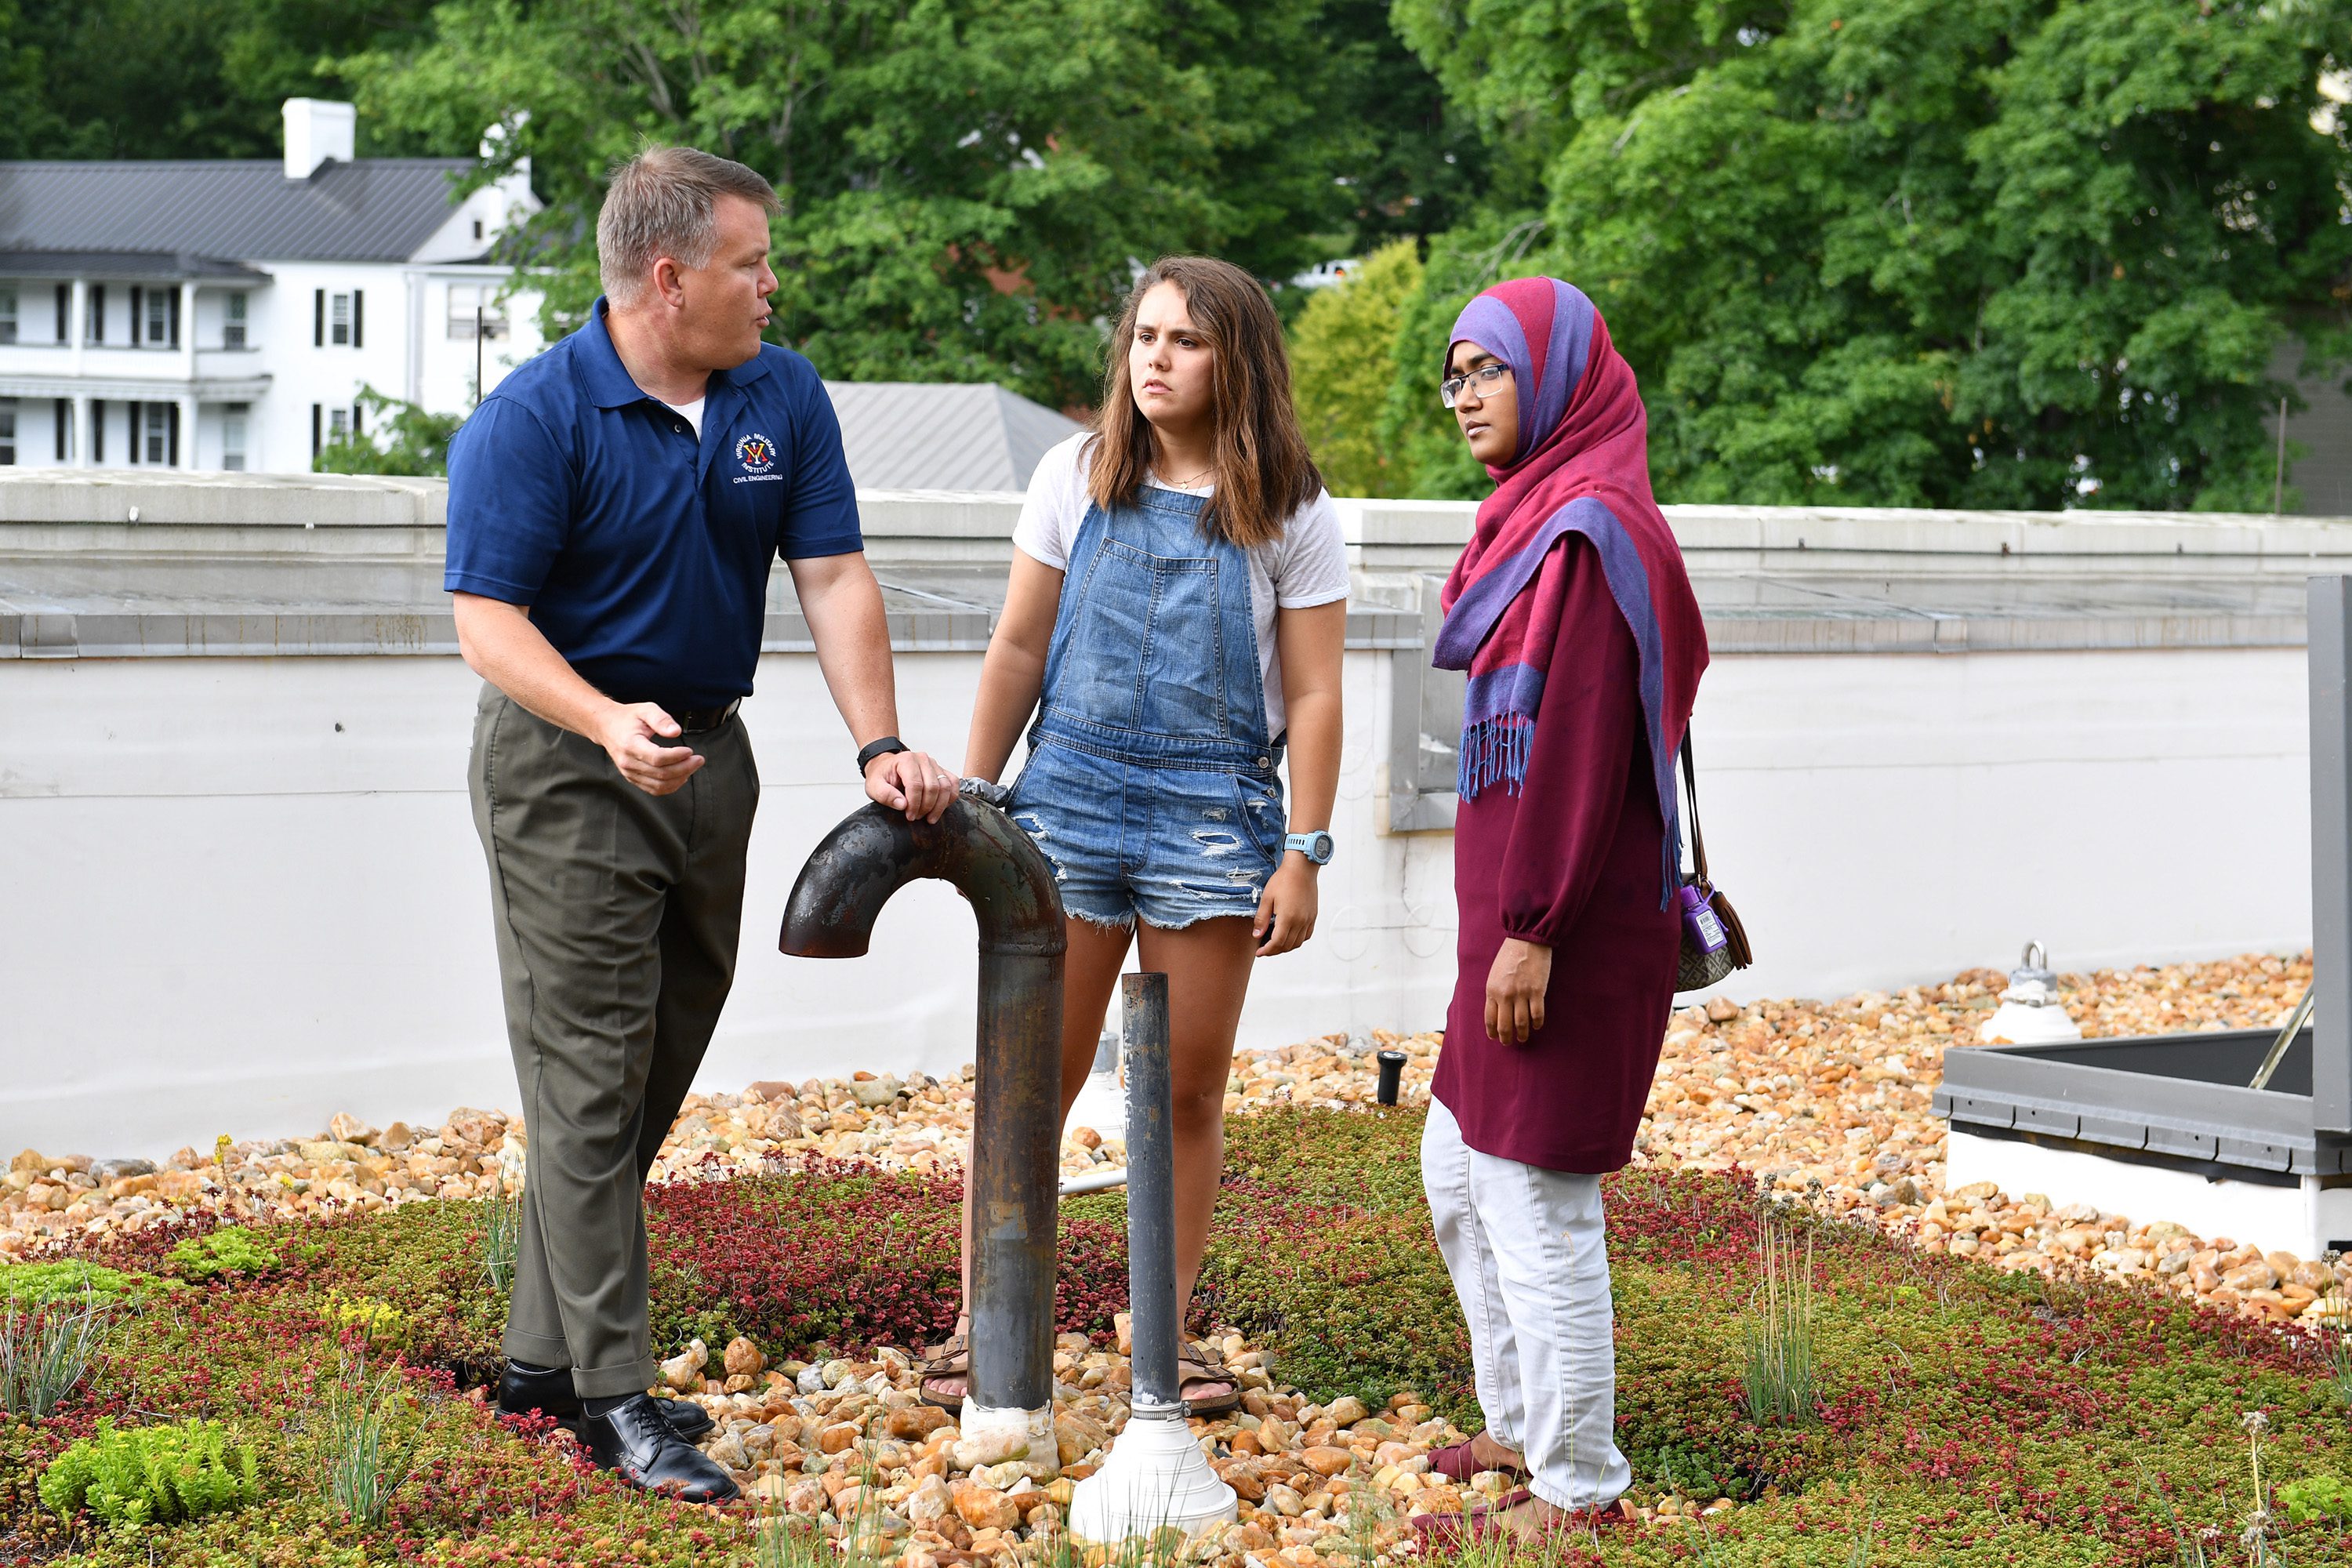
{"x":644,"y":554}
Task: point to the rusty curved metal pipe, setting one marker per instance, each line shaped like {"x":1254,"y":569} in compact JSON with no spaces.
{"x":1017,"y":1110}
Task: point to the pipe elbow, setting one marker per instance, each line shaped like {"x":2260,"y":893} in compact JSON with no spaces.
{"x":875,"y":851}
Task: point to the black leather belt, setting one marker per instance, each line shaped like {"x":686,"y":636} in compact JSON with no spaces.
{"x":695,"y":721}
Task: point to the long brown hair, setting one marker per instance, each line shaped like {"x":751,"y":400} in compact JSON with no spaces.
{"x":1262,"y":471}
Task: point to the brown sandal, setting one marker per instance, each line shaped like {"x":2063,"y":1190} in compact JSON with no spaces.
{"x":1207,"y":1366}
{"x":950,"y":1357}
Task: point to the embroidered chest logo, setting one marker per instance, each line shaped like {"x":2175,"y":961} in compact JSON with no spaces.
{"x":756,"y":453}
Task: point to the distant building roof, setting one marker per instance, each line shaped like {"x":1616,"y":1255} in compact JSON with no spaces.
{"x":372,"y":209}
{"x":943,"y":435}
{"x":98,"y":265}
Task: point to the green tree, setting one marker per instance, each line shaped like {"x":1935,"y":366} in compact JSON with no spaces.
{"x":967,"y":183}
{"x":402,"y":439}
{"x":1342,"y":361}
{"x":2024,"y":253}
{"x":193,"y":79}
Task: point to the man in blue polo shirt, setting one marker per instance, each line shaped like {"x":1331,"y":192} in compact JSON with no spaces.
{"x":613,"y":510}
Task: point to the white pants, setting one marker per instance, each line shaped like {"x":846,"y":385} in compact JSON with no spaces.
{"x":1529,"y":1257}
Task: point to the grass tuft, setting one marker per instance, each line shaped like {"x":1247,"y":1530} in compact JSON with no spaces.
{"x":46,"y":1351}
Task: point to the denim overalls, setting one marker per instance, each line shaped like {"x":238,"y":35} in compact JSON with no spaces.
{"x":1150,"y":784}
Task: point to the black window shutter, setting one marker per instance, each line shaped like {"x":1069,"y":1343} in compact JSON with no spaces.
{"x":98,"y":429}
{"x":174,"y":447}
{"x":175,"y":317}
{"x":132,"y":414}
{"x":97,"y":313}
{"x":357,"y":316}
{"x":65,"y":413}
{"x":64,"y":317}
{"x":355,"y":421}
{"x":314,"y":430}
{"x":138,"y":327}
{"x":319,"y":323}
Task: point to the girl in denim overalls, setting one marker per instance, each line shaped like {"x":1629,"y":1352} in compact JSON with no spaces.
{"x":1174,"y":620}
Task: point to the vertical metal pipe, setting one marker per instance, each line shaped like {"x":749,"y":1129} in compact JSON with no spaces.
{"x":1015,"y":1184}
{"x":2330,"y":667}
{"x":1391,"y":1076}
{"x":1156,"y":1316}
{"x":1017,"y":1114}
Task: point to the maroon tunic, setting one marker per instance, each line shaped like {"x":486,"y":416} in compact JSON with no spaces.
{"x":1570,"y":862}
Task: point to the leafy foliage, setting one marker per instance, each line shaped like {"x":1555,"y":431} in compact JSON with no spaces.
{"x":31,"y":1284}
{"x":138,"y":1476}
{"x":397,"y":437}
{"x":1341,"y":364}
{"x":195,"y":78}
{"x":965,"y":185}
{"x":1891,"y":252}
{"x":231,"y":1249}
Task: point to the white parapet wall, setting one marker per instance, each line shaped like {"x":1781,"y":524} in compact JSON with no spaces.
{"x":246,"y":891}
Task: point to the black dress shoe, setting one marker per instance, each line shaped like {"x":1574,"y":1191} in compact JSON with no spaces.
{"x":551,"y":1393}
{"x":635,"y":1442}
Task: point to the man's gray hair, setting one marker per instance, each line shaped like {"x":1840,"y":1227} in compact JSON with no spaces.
{"x":661,"y":202}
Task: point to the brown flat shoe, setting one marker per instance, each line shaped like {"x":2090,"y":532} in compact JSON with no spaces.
{"x":1455,"y":1462}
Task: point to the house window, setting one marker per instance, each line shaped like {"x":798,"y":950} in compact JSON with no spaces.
{"x":157,"y":418}
{"x":233,"y":432}
{"x":339,"y":425}
{"x":9,"y":431}
{"x":341,"y":319}
{"x":7,"y":315}
{"x":97,"y":330}
{"x":159,"y":315}
{"x":478,"y":229}
{"x":233,"y":322}
{"x":465,"y":299}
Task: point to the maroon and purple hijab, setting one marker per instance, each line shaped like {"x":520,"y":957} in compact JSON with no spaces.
{"x":1583,"y":467}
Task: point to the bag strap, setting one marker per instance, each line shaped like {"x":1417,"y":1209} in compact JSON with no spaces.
{"x":1690,"y":784}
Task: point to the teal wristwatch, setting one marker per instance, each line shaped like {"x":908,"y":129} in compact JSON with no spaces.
{"x":1315,"y":845}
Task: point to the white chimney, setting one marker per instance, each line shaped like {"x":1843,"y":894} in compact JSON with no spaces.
{"x":318,"y":129}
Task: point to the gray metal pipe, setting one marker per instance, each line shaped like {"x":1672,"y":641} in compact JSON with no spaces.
{"x":1017,"y":1109}
{"x":1156,"y":1316}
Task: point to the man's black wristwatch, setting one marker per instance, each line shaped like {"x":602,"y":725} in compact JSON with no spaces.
{"x":881,"y":748}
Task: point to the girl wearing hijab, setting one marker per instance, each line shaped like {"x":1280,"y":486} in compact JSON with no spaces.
{"x":1173,"y":622}
{"x":1571,"y":612}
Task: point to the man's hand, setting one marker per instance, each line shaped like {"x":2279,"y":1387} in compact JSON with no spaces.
{"x":912,"y":783}
{"x":1286,"y":913}
{"x":631,"y":736}
{"x":1515,"y":991}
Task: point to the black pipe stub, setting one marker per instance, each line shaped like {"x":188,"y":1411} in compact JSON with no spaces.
{"x":1391,"y":1076}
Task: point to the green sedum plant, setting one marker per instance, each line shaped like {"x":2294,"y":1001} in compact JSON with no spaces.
{"x":34,"y":1284}
{"x":2317,"y":1497}
{"x":134,"y":1476}
{"x":231,"y":1250}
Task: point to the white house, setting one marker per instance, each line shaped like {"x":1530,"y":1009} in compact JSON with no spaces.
{"x":225,"y":314}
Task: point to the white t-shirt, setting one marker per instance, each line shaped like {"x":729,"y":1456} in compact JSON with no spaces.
{"x":692,"y":413}
{"x":1305,"y":567}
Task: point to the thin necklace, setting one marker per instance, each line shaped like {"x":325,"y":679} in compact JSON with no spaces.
{"x":1191,"y":483}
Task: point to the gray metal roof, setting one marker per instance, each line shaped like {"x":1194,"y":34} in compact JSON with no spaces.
{"x":108,"y":265}
{"x":374,"y":209}
{"x":943,"y":435}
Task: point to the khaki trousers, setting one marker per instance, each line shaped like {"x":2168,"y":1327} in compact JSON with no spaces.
{"x":616,"y":914}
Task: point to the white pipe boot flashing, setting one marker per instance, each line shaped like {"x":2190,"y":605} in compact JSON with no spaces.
{"x":1156,"y":1477}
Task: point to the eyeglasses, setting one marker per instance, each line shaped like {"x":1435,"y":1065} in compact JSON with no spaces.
{"x":1486,"y":377}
